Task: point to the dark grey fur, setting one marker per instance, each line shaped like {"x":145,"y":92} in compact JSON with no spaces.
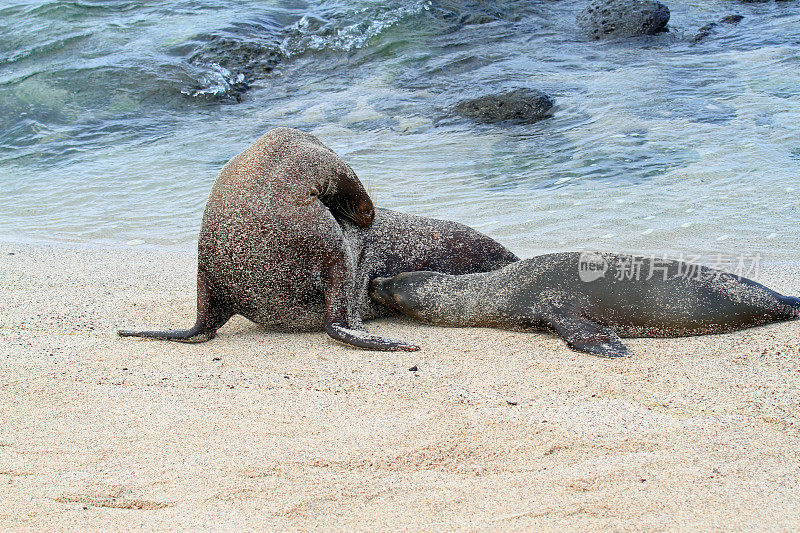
{"x":290,"y":240}
{"x":631,"y":297}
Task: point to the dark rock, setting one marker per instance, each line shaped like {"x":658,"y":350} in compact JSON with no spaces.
{"x":236,"y":55}
{"x":227,"y":61}
{"x":235,"y":64}
{"x":623,"y":18}
{"x":413,"y":368}
{"x":523,"y":105}
{"x":710,"y":28}
{"x":731,"y":19}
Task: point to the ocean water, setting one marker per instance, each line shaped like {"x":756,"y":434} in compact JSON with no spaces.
{"x":116,"y":115}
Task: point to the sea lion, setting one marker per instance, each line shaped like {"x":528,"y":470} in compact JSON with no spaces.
{"x":290,"y":240}
{"x":398,"y":242}
{"x":590,"y":299}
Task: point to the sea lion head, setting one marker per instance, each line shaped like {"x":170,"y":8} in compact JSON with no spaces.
{"x":338,"y":188}
{"x":403,"y":293}
{"x":348,"y":199}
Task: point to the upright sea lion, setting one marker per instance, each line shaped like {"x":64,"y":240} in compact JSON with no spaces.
{"x":590,"y":299}
{"x":290,"y":240}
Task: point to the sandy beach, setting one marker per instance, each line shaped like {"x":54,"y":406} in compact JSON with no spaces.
{"x":257,"y":430}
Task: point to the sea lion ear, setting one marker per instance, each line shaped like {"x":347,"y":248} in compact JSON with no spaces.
{"x":311,"y":196}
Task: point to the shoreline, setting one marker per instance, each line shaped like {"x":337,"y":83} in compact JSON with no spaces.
{"x":495,"y":430}
{"x":706,"y":258}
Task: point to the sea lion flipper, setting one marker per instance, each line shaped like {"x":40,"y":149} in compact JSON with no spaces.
{"x":341,"y":320}
{"x":193,"y":335}
{"x":585,"y":335}
{"x":210,"y":317}
{"x":363,"y":339}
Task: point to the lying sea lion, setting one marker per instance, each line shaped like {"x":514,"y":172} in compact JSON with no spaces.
{"x":590,"y":299}
{"x":290,"y":240}
{"x":398,"y":242}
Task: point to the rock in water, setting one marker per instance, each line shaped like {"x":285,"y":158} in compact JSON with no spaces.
{"x":523,"y":105}
{"x":710,"y":28}
{"x":623,"y":18}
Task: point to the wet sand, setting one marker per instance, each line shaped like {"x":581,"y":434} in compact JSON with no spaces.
{"x":494,"y":431}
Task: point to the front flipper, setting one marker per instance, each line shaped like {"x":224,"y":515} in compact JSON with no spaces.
{"x":342,"y":319}
{"x":584,"y":335}
{"x":363,"y":339}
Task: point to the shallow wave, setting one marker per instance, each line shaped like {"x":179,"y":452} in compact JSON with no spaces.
{"x":334,"y":30}
{"x":42,"y":49}
{"x":114,"y":122}
{"x":231,"y":59}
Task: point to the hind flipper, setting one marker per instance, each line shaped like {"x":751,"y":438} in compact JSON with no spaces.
{"x":583,"y":334}
{"x":210,"y":317}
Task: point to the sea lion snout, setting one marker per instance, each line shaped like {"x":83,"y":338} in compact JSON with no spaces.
{"x":401,"y":292}
{"x":365,"y":213}
{"x":379,"y":290}
{"x":389,"y":292}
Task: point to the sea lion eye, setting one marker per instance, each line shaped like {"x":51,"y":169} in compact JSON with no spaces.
{"x":364,"y":209}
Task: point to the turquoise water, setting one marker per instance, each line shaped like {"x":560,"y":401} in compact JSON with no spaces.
{"x":115,"y":117}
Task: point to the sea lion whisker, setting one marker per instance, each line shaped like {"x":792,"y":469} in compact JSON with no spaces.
{"x":350,"y":212}
{"x":368,"y":185}
{"x":327,"y":188}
